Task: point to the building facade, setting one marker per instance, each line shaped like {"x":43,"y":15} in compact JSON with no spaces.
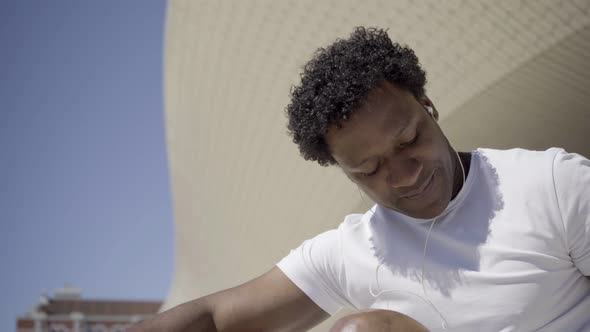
{"x":502,"y":74}
{"x":67,"y":311}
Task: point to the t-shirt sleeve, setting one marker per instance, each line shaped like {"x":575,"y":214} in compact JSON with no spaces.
{"x":571,"y":178}
{"x":316,"y":268}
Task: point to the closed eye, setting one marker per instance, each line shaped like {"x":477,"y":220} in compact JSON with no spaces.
{"x":403,"y":145}
{"x":373,"y":172}
{"x":410,"y":142}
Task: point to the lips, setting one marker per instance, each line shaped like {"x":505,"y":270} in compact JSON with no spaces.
{"x":424,"y":188}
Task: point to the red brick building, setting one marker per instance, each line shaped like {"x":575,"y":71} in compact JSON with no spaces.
{"x":68,"y":312}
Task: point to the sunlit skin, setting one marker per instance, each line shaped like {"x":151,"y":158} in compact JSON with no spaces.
{"x":377,"y":320}
{"x":394,"y":150}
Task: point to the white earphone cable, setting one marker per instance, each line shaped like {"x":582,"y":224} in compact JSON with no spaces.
{"x":423,"y":269}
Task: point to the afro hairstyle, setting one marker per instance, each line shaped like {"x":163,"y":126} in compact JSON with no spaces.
{"x":336,"y":81}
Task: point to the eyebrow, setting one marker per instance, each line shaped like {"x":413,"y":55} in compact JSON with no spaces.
{"x":398,"y":133}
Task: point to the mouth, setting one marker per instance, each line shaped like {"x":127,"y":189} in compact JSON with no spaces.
{"x":424,"y":189}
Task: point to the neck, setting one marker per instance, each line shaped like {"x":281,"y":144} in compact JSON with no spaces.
{"x":465,"y":159}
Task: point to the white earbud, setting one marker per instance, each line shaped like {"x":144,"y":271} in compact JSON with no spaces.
{"x":429,"y":110}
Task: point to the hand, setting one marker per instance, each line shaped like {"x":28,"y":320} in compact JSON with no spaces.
{"x":378,"y":321}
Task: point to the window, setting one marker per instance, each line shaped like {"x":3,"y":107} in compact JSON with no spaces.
{"x":58,"y":328}
{"x":98,"y":328}
{"x":118,"y":328}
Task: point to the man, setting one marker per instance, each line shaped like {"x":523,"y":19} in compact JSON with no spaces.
{"x":488,"y":240}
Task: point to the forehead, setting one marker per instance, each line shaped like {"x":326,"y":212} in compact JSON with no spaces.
{"x":386,"y":112}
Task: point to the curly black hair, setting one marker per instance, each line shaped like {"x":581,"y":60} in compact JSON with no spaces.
{"x":338,"y":78}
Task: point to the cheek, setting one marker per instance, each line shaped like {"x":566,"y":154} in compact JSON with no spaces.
{"x":437,"y":137}
{"x":437,"y":154}
{"x":434,"y":145}
{"x":376,"y":189}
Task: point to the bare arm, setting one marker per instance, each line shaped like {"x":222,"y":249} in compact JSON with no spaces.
{"x":377,"y":320}
{"x":267,"y":303}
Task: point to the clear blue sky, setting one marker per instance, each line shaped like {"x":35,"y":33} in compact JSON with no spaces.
{"x":84,"y":189}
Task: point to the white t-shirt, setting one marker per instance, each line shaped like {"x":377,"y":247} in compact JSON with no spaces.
{"x":510,"y":252}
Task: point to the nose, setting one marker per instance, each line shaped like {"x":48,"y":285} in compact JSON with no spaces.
{"x":403,"y":172}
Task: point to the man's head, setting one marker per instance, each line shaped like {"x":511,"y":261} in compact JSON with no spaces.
{"x":361,"y":105}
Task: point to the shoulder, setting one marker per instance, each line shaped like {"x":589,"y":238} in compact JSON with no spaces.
{"x":518,"y":155}
{"x":553,"y":159}
{"x":571,"y":174}
{"x":317,"y":266}
{"x":354,"y":224}
{"x":520,"y":163}
{"x":517,"y":173}
{"x":353,"y":229}
{"x":569,"y":163}
{"x":326,"y":247}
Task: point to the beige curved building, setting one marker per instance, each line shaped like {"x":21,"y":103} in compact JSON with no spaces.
{"x":502,"y":73}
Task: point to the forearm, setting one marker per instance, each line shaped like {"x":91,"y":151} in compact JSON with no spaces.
{"x":193,"y":316}
{"x":271,"y":302}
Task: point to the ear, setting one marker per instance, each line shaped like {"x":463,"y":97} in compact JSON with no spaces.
{"x":425,"y":101}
